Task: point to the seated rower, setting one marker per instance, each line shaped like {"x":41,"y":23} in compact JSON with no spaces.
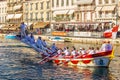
{"x":103,"y":47}
{"x":97,"y":50}
{"x":92,"y":51}
{"x":66,"y":51}
{"x":74,"y":51}
{"x":83,"y":52}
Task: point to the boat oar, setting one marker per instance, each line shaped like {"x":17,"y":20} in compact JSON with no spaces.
{"x":46,"y":58}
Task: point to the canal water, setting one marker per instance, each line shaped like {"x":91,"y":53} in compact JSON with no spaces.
{"x":19,"y":62}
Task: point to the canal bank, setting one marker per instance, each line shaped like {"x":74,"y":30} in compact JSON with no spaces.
{"x":84,"y":40}
{"x":78,"y":39}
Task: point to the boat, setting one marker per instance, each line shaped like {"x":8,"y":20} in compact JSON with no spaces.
{"x":56,"y":39}
{"x":101,"y":59}
{"x":10,"y":36}
{"x":67,"y":39}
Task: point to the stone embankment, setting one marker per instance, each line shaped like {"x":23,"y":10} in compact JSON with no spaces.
{"x":79,"y":39}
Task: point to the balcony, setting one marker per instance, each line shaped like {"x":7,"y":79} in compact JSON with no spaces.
{"x":85,"y":8}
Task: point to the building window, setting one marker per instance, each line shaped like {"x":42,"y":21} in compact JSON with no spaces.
{"x":67,"y":3}
{"x":36,"y":4}
{"x":57,"y":3}
{"x":41,"y":5}
{"x":48,"y":16}
{"x":36,"y":15}
{"x":106,"y":1}
{"x":100,"y":1}
{"x":41,"y":15}
{"x":31,"y":6}
{"x":52,"y":3}
{"x":72,"y":2}
{"x":48,"y":4}
{"x":100,"y":14}
{"x":26,"y":16}
{"x":62,"y":3}
{"x":113,"y":1}
{"x":26,"y":6}
{"x":31,"y":16}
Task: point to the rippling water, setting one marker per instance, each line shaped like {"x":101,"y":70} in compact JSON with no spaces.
{"x":19,"y":62}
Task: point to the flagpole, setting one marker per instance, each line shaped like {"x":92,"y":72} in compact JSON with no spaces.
{"x":116,"y":12}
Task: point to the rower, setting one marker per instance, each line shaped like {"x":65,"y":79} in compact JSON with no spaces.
{"x":31,"y":39}
{"x":39,"y":43}
{"x":92,"y":51}
{"x":54,"y":48}
{"x":66,"y":51}
{"x":74,"y":51}
{"x":103,"y":47}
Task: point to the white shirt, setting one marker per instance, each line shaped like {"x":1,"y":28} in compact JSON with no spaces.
{"x":92,"y":52}
{"x":66,"y":52}
{"x":73,"y":52}
{"x":83,"y":52}
{"x":103,"y":47}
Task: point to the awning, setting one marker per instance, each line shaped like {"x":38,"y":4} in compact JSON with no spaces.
{"x":17,"y":16}
{"x":10,"y":16}
{"x":108,"y":8}
{"x":61,"y":12}
{"x":84,"y":2}
{"x":71,"y":11}
{"x":40,"y":25}
{"x":98,"y":8}
{"x":17,"y":7}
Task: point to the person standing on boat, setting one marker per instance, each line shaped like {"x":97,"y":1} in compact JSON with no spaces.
{"x":54,"y":48}
{"x":108,"y":46}
{"x":44,"y":43}
{"x":23,"y":29}
{"x":103,"y":47}
{"x":39,"y":43}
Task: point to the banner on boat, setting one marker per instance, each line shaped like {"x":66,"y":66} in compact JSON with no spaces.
{"x":84,"y":34}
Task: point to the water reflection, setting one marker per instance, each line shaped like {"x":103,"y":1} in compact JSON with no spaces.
{"x":20,"y":64}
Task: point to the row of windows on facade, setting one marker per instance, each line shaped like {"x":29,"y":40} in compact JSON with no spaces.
{"x":106,"y":1}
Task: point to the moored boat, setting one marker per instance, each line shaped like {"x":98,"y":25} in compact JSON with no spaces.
{"x":55,"y":39}
{"x":101,"y":59}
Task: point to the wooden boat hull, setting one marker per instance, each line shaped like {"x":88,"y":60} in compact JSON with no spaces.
{"x":96,"y":60}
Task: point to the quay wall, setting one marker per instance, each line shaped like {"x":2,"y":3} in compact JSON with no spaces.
{"x":78,"y":39}
{"x":85,"y":40}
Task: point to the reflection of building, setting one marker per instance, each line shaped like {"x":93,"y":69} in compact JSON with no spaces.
{"x":3,"y":5}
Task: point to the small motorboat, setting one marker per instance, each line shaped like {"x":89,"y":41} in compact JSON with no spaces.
{"x":56,"y":39}
{"x":10,"y":36}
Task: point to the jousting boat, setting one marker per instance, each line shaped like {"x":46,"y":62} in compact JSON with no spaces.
{"x":101,"y":59}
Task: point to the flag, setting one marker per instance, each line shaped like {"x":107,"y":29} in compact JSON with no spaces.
{"x":111,"y":33}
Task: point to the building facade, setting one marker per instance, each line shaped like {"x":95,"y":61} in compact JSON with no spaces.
{"x":3,"y":11}
{"x":14,"y":11}
{"x":36,"y":11}
{"x":85,"y":10}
